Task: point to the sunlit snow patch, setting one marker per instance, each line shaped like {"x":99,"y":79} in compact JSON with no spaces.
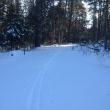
{"x":62,"y":45}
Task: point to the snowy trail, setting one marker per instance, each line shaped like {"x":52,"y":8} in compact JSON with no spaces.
{"x":34,"y":101}
{"x":68,"y":84}
{"x":54,"y":78}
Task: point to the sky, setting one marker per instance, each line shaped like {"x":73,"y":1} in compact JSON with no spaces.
{"x":88,"y":14}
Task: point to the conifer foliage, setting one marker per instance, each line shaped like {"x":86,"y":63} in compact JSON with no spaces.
{"x":29,"y":23}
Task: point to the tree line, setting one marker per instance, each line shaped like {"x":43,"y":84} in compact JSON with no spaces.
{"x":100,"y":29}
{"x":29,"y":23}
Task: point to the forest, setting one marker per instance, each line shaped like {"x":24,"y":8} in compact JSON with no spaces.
{"x":31,"y":23}
{"x":54,"y":54}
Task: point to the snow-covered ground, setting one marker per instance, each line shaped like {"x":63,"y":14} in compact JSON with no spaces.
{"x":54,"y":78}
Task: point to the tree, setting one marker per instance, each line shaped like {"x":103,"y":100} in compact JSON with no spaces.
{"x":101,"y":20}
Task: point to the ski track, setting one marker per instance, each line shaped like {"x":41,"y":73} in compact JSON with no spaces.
{"x":34,"y":97}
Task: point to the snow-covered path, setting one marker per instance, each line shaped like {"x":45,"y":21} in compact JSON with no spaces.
{"x":54,"y":78}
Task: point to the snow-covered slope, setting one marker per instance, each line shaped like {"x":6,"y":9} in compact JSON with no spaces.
{"x":54,"y":78}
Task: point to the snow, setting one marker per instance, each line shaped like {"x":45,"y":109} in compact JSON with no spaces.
{"x":54,"y":78}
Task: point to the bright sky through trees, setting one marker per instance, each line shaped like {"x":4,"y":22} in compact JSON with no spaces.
{"x":88,"y":14}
